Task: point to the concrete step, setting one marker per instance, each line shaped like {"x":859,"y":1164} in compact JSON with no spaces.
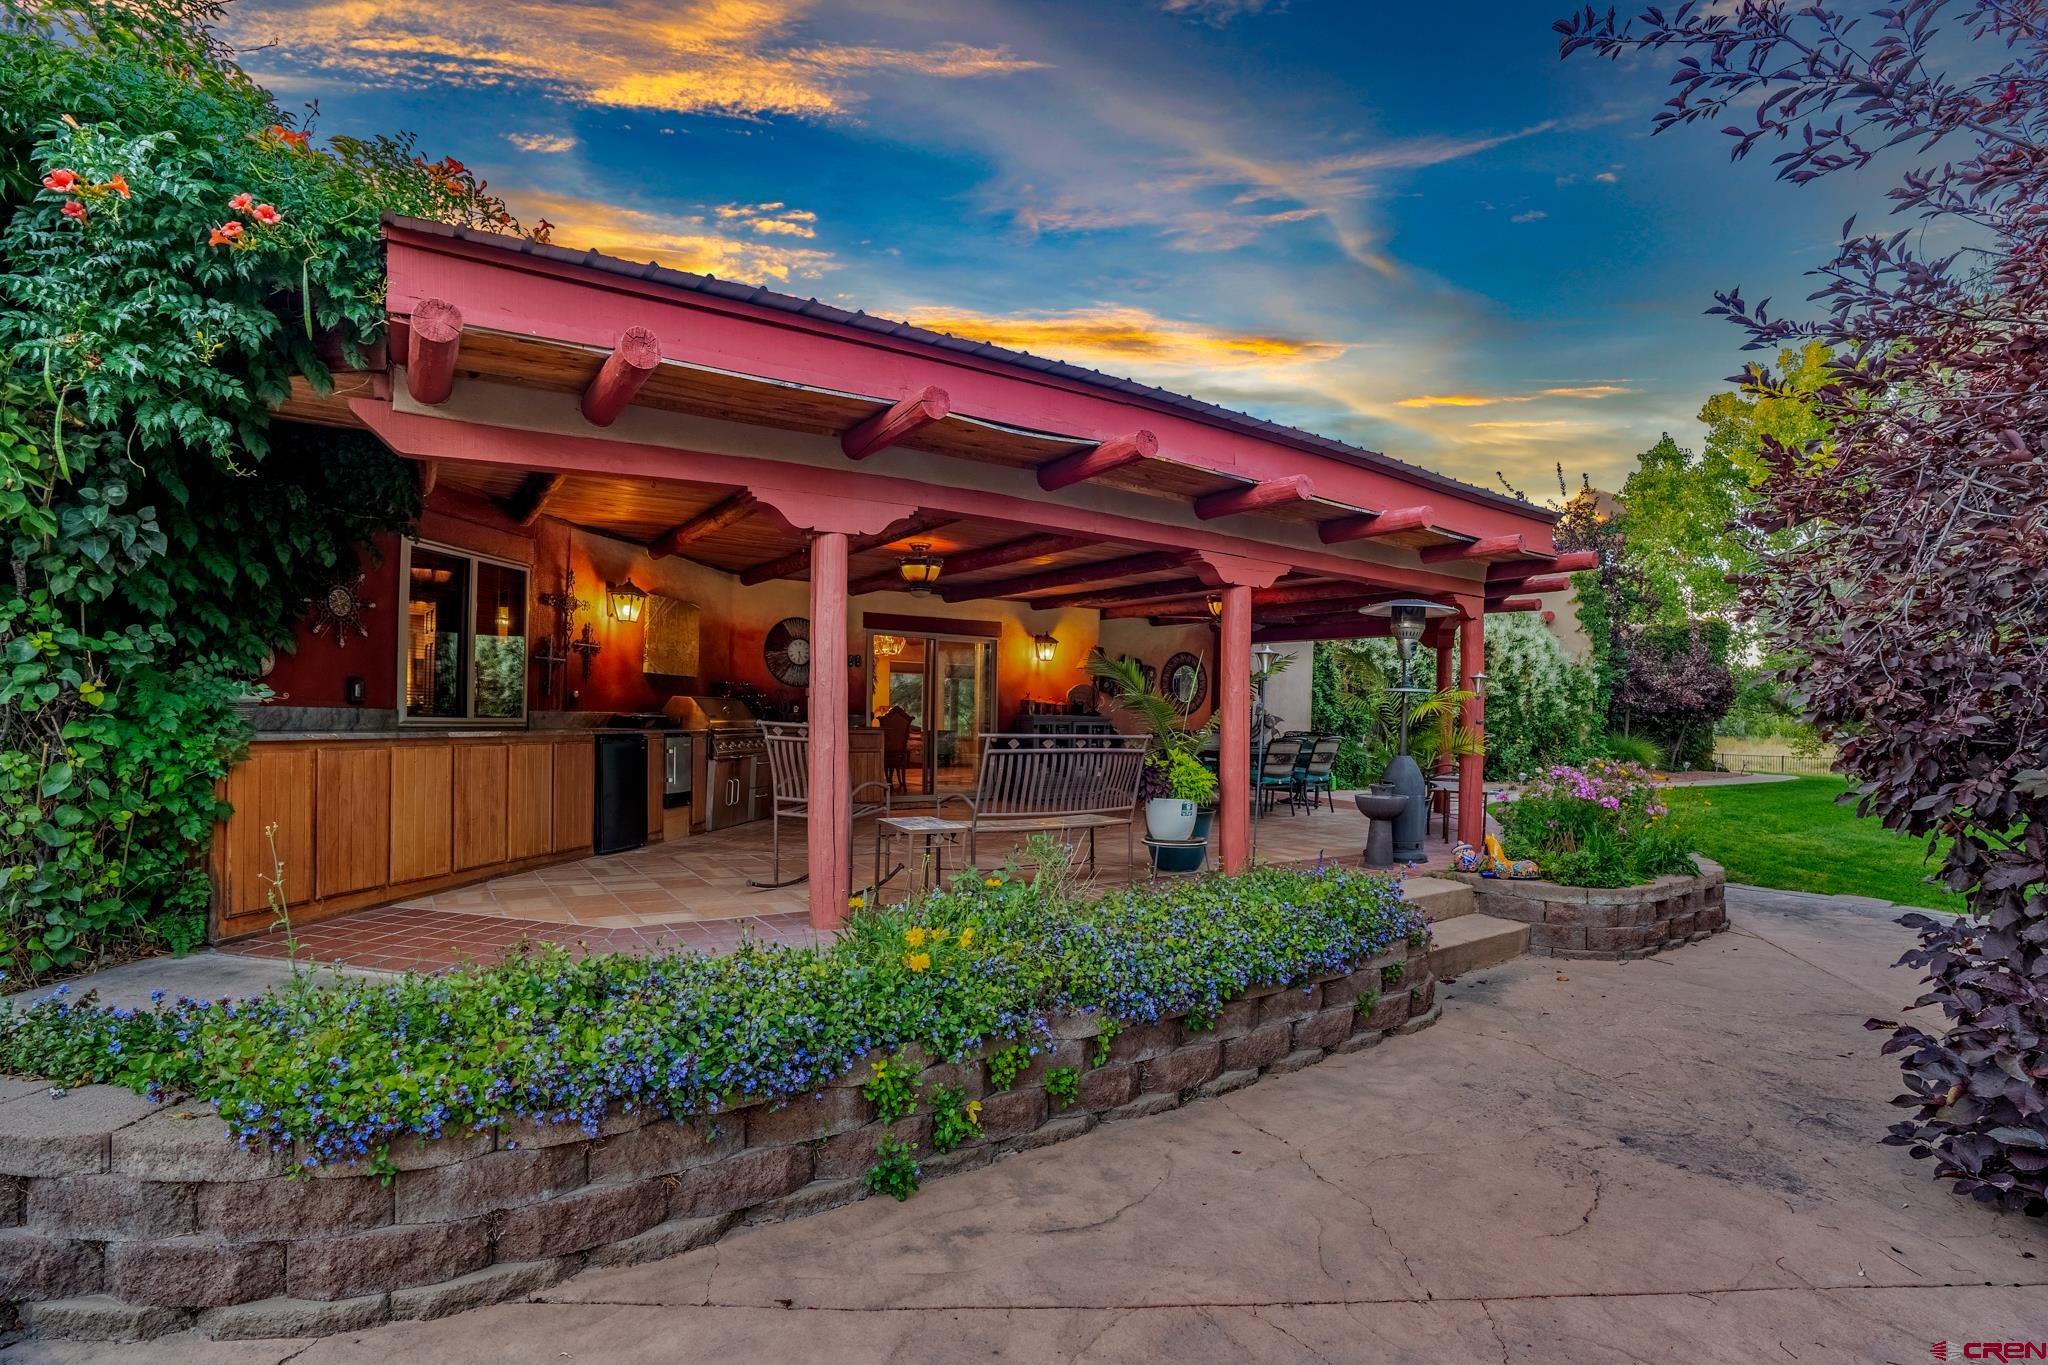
{"x":1438,"y":898}
{"x":1470,"y":942}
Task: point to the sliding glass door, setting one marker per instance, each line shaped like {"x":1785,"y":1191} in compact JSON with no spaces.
{"x":933,"y":697}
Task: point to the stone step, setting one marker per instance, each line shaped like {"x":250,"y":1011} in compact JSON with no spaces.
{"x":1470,"y":942}
{"x":1438,"y":898}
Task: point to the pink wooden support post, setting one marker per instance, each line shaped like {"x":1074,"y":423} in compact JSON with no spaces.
{"x":829,"y":828}
{"x":1443,"y":682}
{"x":1472,"y":767}
{"x":1234,"y":769}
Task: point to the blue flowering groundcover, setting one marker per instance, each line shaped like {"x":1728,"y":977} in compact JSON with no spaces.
{"x":345,"y":1066}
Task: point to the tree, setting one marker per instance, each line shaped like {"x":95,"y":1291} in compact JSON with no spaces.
{"x":1782,"y":410}
{"x":1908,"y":573}
{"x":174,"y":253}
{"x":1682,"y":533}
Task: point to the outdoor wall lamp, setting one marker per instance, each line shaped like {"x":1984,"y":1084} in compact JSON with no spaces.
{"x":1215,"y":606}
{"x":1045,"y":647}
{"x":625,"y":601}
{"x":1478,"y":684}
{"x":921,"y":569}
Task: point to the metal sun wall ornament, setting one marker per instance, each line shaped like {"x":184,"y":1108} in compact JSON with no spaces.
{"x":341,"y":610}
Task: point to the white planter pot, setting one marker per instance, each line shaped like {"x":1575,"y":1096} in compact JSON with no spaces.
{"x":1168,"y":819}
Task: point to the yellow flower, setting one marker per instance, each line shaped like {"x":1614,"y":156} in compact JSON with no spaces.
{"x":914,"y":936}
{"x":967,"y":936}
{"x":857,"y":903}
{"x":917,"y":962}
{"x":974,"y":1111}
{"x":939,"y":935}
{"x":993,"y":882}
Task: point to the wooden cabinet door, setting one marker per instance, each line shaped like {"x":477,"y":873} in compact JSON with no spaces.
{"x":575,"y":793}
{"x":352,"y":803}
{"x":422,"y":811}
{"x":529,"y":800}
{"x":274,"y":786}
{"x":482,"y":798}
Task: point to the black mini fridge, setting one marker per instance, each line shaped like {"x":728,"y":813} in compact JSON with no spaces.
{"x":621,"y":816}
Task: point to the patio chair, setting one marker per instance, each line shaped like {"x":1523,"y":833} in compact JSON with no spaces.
{"x":1276,"y":774}
{"x":789,"y":768}
{"x":895,"y":724}
{"x":1318,"y":773}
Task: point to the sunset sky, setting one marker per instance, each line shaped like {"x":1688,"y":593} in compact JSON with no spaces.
{"x":1421,"y":233}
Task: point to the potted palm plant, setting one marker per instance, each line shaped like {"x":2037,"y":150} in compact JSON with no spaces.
{"x":1173,"y":793}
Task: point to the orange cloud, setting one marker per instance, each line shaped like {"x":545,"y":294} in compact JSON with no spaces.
{"x":679,"y":241}
{"x":1125,"y":335}
{"x":1487,"y":400}
{"x":734,"y":57}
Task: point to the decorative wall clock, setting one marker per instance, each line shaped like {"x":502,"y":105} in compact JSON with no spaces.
{"x":787,"y":651}
{"x":1185,"y":680}
{"x":341,"y":609}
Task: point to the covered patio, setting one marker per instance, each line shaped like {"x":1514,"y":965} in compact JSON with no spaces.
{"x":767,"y":463}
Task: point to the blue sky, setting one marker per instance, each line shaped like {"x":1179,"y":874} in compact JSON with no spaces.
{"x":1419,"y":231}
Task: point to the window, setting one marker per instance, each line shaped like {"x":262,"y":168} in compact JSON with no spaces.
{"x":464,"y":656}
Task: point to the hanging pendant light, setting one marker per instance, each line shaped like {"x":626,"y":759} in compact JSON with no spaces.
{"x":920,"y":569}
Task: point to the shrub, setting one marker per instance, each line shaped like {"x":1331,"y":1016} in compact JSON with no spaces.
{"x":349,"y":1065}
{"x":1602,"y":825}
{"x":895,"y":1172}
{"x":1540,"y":706}
{"x":1640,"y":750}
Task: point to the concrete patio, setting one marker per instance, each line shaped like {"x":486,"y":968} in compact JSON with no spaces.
{"x":1668,"y":1159}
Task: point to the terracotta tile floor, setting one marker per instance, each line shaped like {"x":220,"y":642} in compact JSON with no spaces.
{"x":693,"y":893}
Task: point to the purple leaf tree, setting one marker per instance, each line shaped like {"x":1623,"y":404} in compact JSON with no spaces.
{"x":1912,"y":583}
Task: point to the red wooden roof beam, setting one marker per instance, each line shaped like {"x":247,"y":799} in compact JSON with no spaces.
{"x":1487,"y":547}
{"x":1515,"y":570}
{"x":709,"y":522}
{"x":1256,"y":497}
{"x":433,"y":337}
{"x":1083,"y":465}
{"x":1154,"y":562}
{"x":632,"y":361}
{"x":886,"y":429}
{"x":1515,"y":604}
{"x":1368,"y":525}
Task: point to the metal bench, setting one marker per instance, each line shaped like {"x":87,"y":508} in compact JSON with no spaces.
{"x":789,"y":769}
{"x":1055,"y":784}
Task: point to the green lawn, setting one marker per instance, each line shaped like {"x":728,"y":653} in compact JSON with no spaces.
{"x":1792,"y":835}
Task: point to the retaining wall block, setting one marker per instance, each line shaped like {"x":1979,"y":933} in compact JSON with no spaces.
{"x":1284,"y":1007}
{"x":1143,"y":1042}
{"x":665,"y":1147}
{"x":495,"y":1180}
{"x":382,"y":1259}
{"x":739,"y":1181}
{"x":1013,"y":1112}
{"x":1067,"y":1052}
{"x":1391,"y":1012}
{"x":288,"y":1207}
{"x":1261,"y":1047}
{"x":267,"y":1319}
{"x":100,"y":1317}
{"x":190,"y":1143}
{"x":579,"y":1220}
{"x":109,"y":1206}
{"x":36,"y":1267}
{"x":480,"y":1288}
{"x":1181,"y":1070}
{"x":405,"y":1154}
{"x":1106,"y":1087}
{"x":851,"y":1154}
{"x":807,"y":1118}
{"x":194,"y":1272}
{"x":1325,"y":1028}
{"x":67,"y":1134}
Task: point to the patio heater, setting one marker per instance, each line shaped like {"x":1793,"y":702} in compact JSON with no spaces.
{"x":1407,"y":618}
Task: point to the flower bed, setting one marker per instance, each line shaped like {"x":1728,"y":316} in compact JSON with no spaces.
{"x":615,"y":1109}
{"x":341,"y":1069}
{"x":1606,"y":824}
{"x":1609,"y":922}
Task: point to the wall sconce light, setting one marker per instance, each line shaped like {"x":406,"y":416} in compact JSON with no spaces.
{"x":1215,"y":606}
{"x":1478,"y":684}
{"x":921,"y":569}
{"x":1045,"y":647}
{"x":625,"y":600}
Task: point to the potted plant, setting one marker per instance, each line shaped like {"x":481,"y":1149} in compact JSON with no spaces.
{"x":1171,"y":806}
